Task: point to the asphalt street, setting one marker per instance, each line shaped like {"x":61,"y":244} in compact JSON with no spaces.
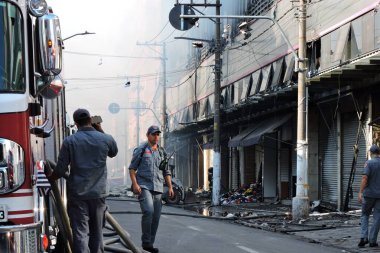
{"x":190,"y":235}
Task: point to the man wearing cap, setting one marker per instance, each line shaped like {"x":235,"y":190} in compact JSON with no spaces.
{"x":85,"y":152}
{"x":147,"y":171}
{"x":369,"y":196}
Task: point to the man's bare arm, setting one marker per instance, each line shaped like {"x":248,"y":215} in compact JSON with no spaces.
{"x":363,"y":185}
{"x":135,"y":186}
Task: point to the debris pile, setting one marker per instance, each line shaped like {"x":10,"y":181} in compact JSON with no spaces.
{"x":250,"y":193}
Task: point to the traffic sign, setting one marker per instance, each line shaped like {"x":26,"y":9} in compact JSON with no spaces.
{"x":180,"y":23}
{"x":114,"y":108}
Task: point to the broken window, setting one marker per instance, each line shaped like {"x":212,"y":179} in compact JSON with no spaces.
{"x":339,"y":39}
{"x":211,"y":103}
{"x":278,"y":74}
{"x":267,"y":77}
{"x":244,"y":88}
{"x":368,"y":28}
{"x":255,"y":81}
{"x":290,"y":75}
{"x":355,"y":41}
{"x":313,"y":52}
{"x":202,"y":107}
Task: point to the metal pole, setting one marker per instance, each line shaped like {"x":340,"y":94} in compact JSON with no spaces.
{"x":138,"y":112}
{"x":301,"y":201}
{"x":217,"y":159}
{"x":164,"y":116}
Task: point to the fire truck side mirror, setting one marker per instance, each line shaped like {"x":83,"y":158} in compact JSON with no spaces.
{"x":50,"y":44}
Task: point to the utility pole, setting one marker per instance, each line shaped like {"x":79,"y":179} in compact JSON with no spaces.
{"x":138,"y":112}
{"x":164,"y":115}
{"x":301,"y":201}
{"x":217,"y":158}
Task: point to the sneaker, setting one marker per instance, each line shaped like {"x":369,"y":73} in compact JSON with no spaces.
{"x":373,"y":244}
{"x":150,"y":249}
{"x":363,"y":242}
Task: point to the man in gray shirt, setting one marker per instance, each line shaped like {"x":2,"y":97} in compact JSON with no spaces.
{"x":147,"y":171}
{"x":369,"y":196}
{"x":84,"y":156}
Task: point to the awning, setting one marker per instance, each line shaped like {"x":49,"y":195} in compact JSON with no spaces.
{"x":235,"y":141}
{"x":252,"y":135}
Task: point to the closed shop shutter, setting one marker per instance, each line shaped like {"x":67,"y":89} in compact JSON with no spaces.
{"x":249,"y":161}
{"x":284,"y":165}
{"x":224,"y":157}
{"x":234,"y":168}
{"x":349,"y":131}
{"x":285,"y":170}
{"x":328,"y":162}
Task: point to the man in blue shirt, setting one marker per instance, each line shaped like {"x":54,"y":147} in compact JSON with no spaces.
{"x":369,"y":196}
{"x":147,"y":171}
{"x":84,"y":156}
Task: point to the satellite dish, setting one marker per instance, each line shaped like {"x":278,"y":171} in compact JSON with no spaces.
{"x":182,"y":23}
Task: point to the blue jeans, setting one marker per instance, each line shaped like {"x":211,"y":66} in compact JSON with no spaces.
{"x":150,"y":204}
{"x":87,"y":221}
{"x":367,"y":206}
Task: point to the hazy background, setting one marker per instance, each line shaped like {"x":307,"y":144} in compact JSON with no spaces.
{"x":96,"y":67}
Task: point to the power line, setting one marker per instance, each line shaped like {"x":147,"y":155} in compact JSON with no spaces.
{"x":190,"y":76}
{"x":110,"y":55}
{"x":158,"y":34}
{"x":125,"y":77}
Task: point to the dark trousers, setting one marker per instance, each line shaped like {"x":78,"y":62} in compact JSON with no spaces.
{"x":87,"y":220}
{"x":150,"y":204}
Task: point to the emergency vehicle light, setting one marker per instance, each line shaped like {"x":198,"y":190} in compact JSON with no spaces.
{"x":37,"y":8}
{"x":50,"y":43}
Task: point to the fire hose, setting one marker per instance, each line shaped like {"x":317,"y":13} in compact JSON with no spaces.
{"x":64,"y":222}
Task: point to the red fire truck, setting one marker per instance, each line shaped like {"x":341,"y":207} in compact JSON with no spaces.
{"x":32,"y":124}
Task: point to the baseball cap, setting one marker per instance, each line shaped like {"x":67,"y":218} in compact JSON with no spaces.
{"x":153,"y":129}
{"x":81,"y":114}
{"x":374,"y":149}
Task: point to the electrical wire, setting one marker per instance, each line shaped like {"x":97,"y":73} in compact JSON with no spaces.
{"x":158,"y":34}
{"x":125,"y":77}
{"x":109,"y":55}
{"x":190,"y":76}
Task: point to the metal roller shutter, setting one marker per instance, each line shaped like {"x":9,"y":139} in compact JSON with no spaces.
{"x":284,"y":165}
{"x":328,"y":162}
{"x":234,"y":169}
{"x":285,"y":170}
{"x":349,"y":131}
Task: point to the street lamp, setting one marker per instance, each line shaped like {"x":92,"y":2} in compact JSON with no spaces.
{"x":77,"y":34}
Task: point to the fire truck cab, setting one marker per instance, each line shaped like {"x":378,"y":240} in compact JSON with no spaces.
{"x":32,"y":123}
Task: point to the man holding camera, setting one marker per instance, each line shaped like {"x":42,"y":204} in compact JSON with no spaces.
{"x":86,"y":153}
{"x":147,"y":170}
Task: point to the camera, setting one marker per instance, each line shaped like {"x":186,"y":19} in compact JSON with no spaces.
{"x":96,"y":120}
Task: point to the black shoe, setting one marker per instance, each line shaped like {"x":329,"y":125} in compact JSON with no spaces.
{"x":363,"y":242}
{"x":373,"y":244}
{"x":151,"y":249}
